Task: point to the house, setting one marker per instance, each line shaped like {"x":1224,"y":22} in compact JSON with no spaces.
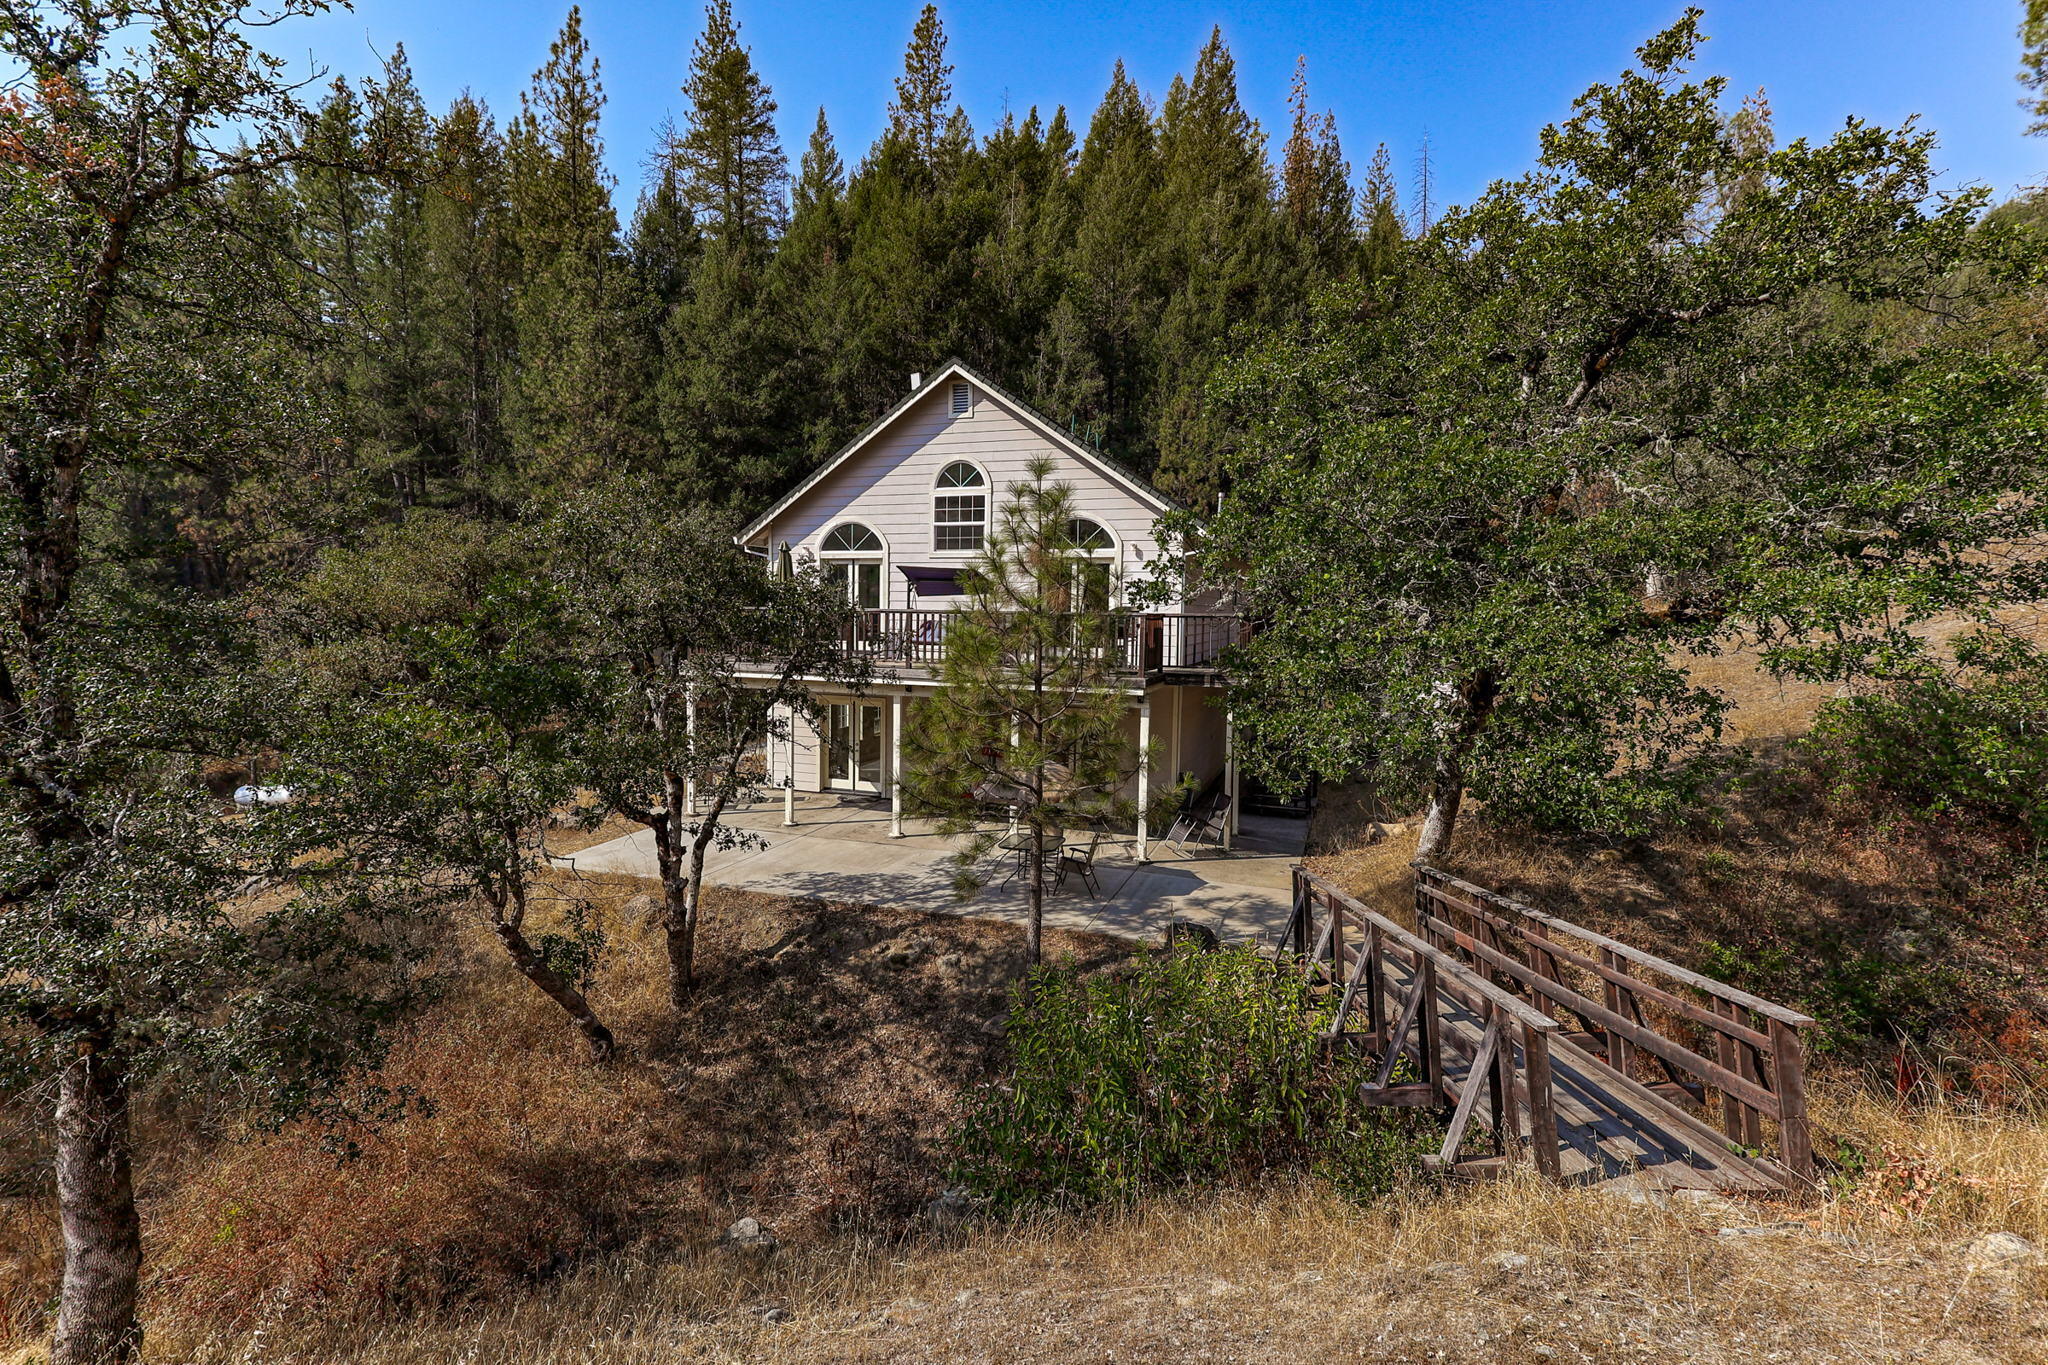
{"x":899,"y":510}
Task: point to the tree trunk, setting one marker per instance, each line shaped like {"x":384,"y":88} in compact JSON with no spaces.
{"x":682,"y":925}
{"x":557,"y":988}
{"x":1035,"y":927}
{"x":96,"y":1200}
{"x":1447,"y":781}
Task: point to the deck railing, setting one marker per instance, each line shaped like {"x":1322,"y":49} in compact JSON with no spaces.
{"x":1142,"y":642}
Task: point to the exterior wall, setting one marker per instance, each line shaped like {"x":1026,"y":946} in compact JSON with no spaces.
{"x":1199,"y":733}
{"x":888,"y":487}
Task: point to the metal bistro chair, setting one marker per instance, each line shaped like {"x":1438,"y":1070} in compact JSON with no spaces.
{"x":1081,"y":860}
{"x":1019,"y":846}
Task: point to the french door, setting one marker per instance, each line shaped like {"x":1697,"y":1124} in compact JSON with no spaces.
{"x":853,"y":734}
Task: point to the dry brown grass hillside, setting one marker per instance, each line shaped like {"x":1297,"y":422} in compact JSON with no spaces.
{"x":544,"y":1210}
{"x":535,"y":1208}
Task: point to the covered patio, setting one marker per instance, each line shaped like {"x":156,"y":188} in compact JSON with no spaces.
{"x":841,"y":849}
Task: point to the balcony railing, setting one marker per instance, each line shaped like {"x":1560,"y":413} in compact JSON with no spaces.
{"x":1143,"y":643}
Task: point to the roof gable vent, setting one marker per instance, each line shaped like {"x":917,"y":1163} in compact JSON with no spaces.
{"x":963,"y":400}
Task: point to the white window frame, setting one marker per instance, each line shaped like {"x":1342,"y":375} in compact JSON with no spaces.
{"x":1110,"y":554}
{"x":941,"y":491}
{"x":853,"y":558}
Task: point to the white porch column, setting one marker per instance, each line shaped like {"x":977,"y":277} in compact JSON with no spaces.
{"x":789,"y":771}
{"x":1144,"y":852}
{"x":896,"y":766}
{"x":1230,"y":776}
{"x":690,"y":729}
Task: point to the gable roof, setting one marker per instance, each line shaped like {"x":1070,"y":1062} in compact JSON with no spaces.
{"x":1109,"y":468}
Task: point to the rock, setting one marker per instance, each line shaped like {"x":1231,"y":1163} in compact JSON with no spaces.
{"x":777,"y":1314}
{"x":1220,"y":1288}
{"x":1542,"y":1353}
{"x":748,"y":1235}
{"x":965,"y":1296}
{"x":1187,"y":933}
{"x":1762,"y":1230}
{"x":1999,"y":1251}
{"x":1907,"y":946}
{"x":1707,"y":1203}
{"x":1508,"y":1262}
{"x":904,"y":952}
{"x":950,"y":1209}
{"x":641,"y":909}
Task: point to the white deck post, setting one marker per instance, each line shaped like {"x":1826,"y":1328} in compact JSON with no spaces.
{"x":690,"y":729}
{"x":896,"y":766}
{"x":1230,"y":776}
{"x":789,"y":771}
{"x":1144,"y":852}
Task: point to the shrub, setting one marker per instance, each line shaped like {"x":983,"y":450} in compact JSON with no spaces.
{"x":1181,"y":1068}
{"x":1939,"y":746}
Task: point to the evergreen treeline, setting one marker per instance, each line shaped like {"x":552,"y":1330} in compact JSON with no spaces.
{"x":511,"y":334}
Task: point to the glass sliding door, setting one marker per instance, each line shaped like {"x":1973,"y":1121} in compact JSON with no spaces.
{"x":853,"y":735}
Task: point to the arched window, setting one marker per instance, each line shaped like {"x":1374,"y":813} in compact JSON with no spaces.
{"x":1089,"y":537}
{"x":850,"y":537}
{"x":959,"y":508}
{"x":1095,"y":575}
{"x":852,"y":557}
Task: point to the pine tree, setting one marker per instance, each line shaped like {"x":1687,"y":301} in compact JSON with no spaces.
{"x":469,"y":286}
{"x":918,"y":117}
{"x":724,"y":392}
{"x":665,"y":240}
{"x":1425,"y":188}
{"x":1225,"y":253}
{"x":1099,"y":356}
{"x":394,"y":367}
{"x":806,"y":282}
{"x":1032,"y":713}
{"x":578,"y":396}
{"x":1379,"y":207}
{"x":1315,"y":187}
{"x":729,"y":162}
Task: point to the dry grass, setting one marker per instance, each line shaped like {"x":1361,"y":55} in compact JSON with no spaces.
{"x":550,"y":1211}
{"x":811,"y":1083}
{"x":1283,"y":1272}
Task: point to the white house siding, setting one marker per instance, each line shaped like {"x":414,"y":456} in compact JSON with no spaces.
{"x":887,"y":486}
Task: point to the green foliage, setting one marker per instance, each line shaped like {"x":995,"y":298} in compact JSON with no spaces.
{"x":1945,"y":745}
{"x":1861,"y":998}
{"x":1180,"y":1068}
{"x":1647,"y":400}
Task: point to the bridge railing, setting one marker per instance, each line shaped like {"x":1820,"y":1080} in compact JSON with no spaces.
{"x":1757,"y":1067}
{"x":1404,"y":989}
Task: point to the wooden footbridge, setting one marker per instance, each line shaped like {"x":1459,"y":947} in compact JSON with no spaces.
{"x":1550,"y":1042}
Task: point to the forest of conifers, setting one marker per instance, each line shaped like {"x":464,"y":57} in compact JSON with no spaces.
{"x":513,"y":327}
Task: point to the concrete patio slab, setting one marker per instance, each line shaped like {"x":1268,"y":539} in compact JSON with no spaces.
{"x":841,"y":850}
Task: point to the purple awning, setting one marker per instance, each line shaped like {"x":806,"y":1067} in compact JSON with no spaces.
{"x":933,"y":582}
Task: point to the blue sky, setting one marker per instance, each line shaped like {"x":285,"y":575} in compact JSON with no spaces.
{"x":1480,"y":77}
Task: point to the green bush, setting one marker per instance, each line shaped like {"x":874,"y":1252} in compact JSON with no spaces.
{"x":1941,"y":747}
{"x":1180,"y":1068}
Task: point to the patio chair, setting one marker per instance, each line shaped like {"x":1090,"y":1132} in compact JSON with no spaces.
{"x":1203,"y":822}
{"x":1081,"y":860}
{"x":1184,"y":821}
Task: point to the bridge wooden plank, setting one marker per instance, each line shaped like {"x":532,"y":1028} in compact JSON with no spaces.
{"x":1608,"y":1126}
